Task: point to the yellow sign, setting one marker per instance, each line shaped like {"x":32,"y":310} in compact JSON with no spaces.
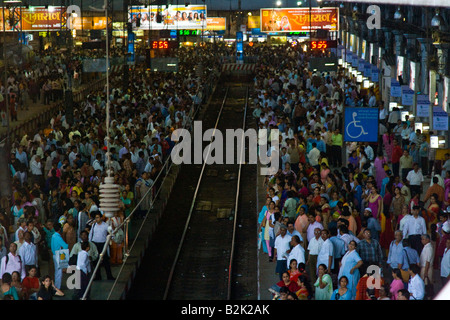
{"x":253,"y":22}
{"x":89,"y":23}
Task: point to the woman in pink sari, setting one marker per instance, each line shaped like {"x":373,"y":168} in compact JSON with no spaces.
{"x":380,"y":173}
{"x":388,"y":144}
{"x":447,"y":187}
{"x":375,"y":203}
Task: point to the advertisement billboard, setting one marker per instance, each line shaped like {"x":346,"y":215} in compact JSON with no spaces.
{"x":172,"y":17}
{"x":89,"y":23}
{"x":253,"y":22}
{"x":298,"y":19}
{"x":34,"y":19}
{"x":216,"y":23}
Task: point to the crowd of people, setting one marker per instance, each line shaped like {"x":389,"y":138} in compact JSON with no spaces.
{"x":56,"y":174}
{"x":341,"y":221}
{"x":346,"y":220}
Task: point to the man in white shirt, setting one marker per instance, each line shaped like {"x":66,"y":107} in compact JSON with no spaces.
{"x":445,"y":264}
{"x":12,"y":262}
{"x":73,"y":155}
{"x":313,"y":156}
{"x":311,"y":229}
{"x":36,"y":169}
{"x":297,"y":252}
{"x":281,"y":247}
{"x":98,"y":235}
{"x":28,"y":252}
{"x":416,"y":286}
{"x":369,"y":151}
{"x":84,"y":268}
{"x":326,"y":253}
{"x":426,"y":260}
{"x":96,"y":164}
{"x":415,"y":179}
{"x":314,"y":246}
{"x":414,"y":228}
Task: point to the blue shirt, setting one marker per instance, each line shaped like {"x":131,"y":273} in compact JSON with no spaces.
{"x":295,"y":233}
{"x":409,"y":256}
{"x":395,"y":256}
{"x":374,"y":226}
{"x":338,"y":247}
{"x":58,"y":243}
{"x":22,"y":157}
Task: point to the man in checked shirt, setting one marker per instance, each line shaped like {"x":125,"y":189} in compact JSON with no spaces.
{"x":370,"y":251}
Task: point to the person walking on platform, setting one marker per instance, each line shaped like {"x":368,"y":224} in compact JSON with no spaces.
{"x":98,"y":236}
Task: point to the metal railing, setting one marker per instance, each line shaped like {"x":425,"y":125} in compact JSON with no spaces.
{"x":204,"y":93}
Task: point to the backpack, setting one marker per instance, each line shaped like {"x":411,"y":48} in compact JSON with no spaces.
{"x":7,"y":260}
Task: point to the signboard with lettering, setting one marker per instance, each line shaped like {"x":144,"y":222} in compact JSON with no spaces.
{"x":375,"y":74}
{"x":440,"y":119}
{"x":396,"y":89}
{"x":423,"y":106}
{"x":367,"y":70}
{"x":34,"y":19}
{"x":297,"y":19}
{"x":407,"y":96}
{"x":361,"y":124}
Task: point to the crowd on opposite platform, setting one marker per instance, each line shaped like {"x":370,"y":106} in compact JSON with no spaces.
{"x":56,"y":173}
{"x":44,"y":77}
{"x":346,"y":220}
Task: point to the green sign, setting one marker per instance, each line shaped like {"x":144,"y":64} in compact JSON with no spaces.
{"x":298,"y":33}
{"x":189,"y":32}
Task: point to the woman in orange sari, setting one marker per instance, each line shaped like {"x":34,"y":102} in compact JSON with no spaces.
{"x":431,"y":215}
{"x":118,"y":240}
{"x":305,"y":290}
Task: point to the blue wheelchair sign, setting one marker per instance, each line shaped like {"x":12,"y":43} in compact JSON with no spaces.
{"x":361,"y":124}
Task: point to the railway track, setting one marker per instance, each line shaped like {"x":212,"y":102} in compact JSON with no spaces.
{"x":193,"y":254}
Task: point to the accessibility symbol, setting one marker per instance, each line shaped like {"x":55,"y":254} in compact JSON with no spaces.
{"x":353,"y":129}
{"x":361,"y":124}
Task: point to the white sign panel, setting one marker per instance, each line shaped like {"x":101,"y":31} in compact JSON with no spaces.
{"x":446,"y":94}
{"x":412,"y":75}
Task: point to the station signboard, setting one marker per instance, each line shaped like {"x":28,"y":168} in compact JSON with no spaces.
{"x":34,"y":19}
{"x":298,"y":19}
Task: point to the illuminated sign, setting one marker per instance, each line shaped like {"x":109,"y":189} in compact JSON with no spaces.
{"x":298,"y":19}
{"x":216,"y":23}
{"x":323,"y":44}
{"x":163,"y":44}
{"x":170,"y":17}
{"x":34,"y":19}
{"x":189,"y":32}
{"x":298,"y":33}
{"x":160,"y":44}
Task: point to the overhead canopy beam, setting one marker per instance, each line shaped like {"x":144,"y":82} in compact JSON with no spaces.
{"x":428,"y":3}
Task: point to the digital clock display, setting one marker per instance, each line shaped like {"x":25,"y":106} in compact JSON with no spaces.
{"x":323,"y":44}
{"x":160,"y":44}
{"x":189,"y":32}
{"x":319,"y":45}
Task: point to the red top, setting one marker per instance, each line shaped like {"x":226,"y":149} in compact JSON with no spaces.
{"x":29,"y":283}
{"x":396,"y":154}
